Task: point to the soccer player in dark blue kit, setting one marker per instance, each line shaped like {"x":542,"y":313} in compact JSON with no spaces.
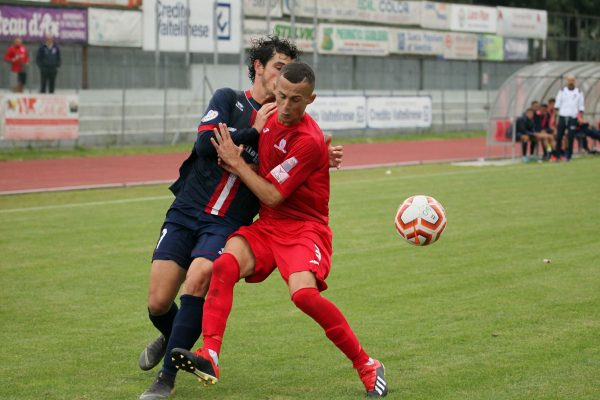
{"x":209,"y":205}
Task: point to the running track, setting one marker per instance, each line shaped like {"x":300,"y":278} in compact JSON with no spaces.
{"x":95,"y":172}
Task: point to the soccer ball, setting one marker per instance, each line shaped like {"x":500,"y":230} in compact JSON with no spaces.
{"x":420,"y":220}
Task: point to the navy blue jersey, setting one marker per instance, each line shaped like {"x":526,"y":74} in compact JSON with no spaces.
{"x":203,"y":186}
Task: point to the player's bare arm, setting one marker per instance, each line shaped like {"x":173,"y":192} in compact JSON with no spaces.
{"x":231,"y":160}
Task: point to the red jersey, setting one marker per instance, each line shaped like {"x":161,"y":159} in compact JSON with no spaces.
{"x":295,"y":160}
{"x":17,"y":57}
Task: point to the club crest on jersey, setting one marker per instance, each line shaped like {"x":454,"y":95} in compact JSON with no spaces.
{"x":281,"y":146}
{"x":210,"y":115}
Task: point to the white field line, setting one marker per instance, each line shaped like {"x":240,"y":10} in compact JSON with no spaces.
{"x":388,"y":178}
{"x":89,"y":204}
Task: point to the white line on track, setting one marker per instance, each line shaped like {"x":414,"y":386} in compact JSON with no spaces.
{"x":91,"y":203}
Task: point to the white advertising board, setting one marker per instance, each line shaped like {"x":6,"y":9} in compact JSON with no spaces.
{"x":435,"y":15}
{"x":399,"y":112}
{"x":522,"y":23}
{"x":258,"y":8}
{"x":460,"y":46}
{"x":333,"y":113}
{"x":412,"y":41}
{"x":40,"y":117}
{"x":255,"y":28}
{"x":117,"y":28}
{"x":353,"y":40}
{"x":380,"y":11}
{"x":465,"y":18}
{"x":174,"y":26}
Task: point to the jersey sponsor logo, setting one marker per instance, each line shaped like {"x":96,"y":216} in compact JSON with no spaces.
{"x":231,"y":129}
{"x":289,"y":164}
{"x":281,"y":146}
{"x":280,"y":174}
{"x":240,"y":106}
{"x":266,"y":130}
{"x":210,"y":115}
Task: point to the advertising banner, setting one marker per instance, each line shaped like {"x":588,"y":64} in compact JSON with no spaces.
{"x":399,"y":112}
{"x":522,"y":23}
{"x":353,"y":40}
{"x":380,"y":11}
{"x":258,"y":8}
{"x":411,"y":41}
{"x":516,"y":49}
{"x":465,"y":18}
{"x":173,"y":26}
{"x":120,"y":3}
{"x":333,"y":113}
{"x":304,"y":33}
{"x":435,"y":15}
{"x":491,"y":47}
{"x":40,"y":117}
{"x":460,"y":46}
{"x":114,"y":28}
{"x":32,"y":23}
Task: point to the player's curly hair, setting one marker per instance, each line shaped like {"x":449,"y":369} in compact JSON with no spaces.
{"x":264,"y":49}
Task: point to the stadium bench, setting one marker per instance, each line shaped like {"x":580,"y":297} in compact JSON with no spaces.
{"x":502,"y":125}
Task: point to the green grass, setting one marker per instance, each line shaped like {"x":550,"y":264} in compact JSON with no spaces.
{"x":41,"y":153}
{"x":477,"y":315}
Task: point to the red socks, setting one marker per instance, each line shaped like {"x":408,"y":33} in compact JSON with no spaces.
{"x":331,"y":319}
{"x":219,"y":300}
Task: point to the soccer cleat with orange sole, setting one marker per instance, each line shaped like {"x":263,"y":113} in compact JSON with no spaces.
{"x":199,"y":363}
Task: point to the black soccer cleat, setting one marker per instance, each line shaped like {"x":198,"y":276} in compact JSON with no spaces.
{"x":199,"y":363}
{"x":162,"y":388}
{"x":153,"y":353}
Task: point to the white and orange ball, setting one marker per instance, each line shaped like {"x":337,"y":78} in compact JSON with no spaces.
{"x":420,"y":220}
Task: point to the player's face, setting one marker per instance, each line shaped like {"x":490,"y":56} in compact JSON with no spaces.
{"x":292,"y":99}
{"x":268,"y":74}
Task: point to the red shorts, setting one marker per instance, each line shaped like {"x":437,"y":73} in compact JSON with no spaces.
{"x":290,"y":246}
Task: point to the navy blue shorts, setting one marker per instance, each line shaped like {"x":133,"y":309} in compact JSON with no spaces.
{"x":183,"y":238}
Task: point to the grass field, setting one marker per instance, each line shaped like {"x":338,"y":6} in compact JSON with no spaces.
{"x":477,"y":315}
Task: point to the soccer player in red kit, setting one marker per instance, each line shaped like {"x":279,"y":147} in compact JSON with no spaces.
{"x":291,"y":233}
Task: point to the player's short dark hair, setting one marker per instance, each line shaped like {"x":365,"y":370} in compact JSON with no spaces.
{"x":297,"y":72}
{"x":264,"y":49}
{"x":534,"y":102}
{"x":552,"y":100}
{"x":529,"y":109}
{"x":543,"y":105}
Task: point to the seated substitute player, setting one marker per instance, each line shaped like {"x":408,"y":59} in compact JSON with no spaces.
{"x":291,"y":234}
{"x":524,"y":129}
{"x":543,"y":133}
{"x":209,"y":205}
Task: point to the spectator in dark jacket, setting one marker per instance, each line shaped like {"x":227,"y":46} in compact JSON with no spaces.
{"x":525,"y":132}
{"x":48,"y":60}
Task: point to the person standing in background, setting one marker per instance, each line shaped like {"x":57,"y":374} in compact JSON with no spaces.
{"x":16,"y":55}
{"x":48,"y":60}
{"x":570,"y":108}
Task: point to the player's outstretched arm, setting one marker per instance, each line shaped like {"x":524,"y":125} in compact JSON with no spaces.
{"x":231,"y":160}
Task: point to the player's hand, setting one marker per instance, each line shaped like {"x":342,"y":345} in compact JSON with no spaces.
{"x":229,"y":153}
{"x":263,"y":115}
{"x":336,"y":153}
